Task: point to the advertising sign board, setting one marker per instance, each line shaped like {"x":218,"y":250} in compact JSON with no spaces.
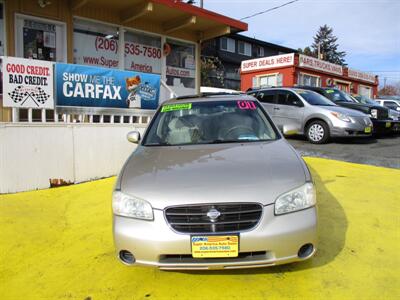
{"x":27,"y":83}
{"x":86,"y":86}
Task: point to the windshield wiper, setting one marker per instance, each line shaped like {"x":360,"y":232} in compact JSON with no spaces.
{"x":219,"y":141}
{"x":158,"y":144}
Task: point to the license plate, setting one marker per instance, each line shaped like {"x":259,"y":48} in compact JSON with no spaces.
{"x":215,"y":246}
{"x":367,"y":129}
{"x":388,"y":124}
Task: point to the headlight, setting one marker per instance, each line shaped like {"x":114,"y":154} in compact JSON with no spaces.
{"x":374,"y":113}
{"x":341,"y":116}
{"x":128,"y":206}
{"x":297,"y":199}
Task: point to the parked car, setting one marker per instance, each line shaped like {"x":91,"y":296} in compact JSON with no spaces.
{"x":213,"y":184}
{"x":389,"y":103}
{"x":312,"y":114}
{"x":393,"y":114}
{"x":379,"y":115}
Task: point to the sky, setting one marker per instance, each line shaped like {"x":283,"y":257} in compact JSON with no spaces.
{"x":369,"y":31}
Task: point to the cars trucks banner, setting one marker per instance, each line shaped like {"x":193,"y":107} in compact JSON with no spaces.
{"x":27,"y":83}
{"x":86,"y":86}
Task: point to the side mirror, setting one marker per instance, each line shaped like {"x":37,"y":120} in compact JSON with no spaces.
{"x":289,"y":130}
{"x":133,"y":137}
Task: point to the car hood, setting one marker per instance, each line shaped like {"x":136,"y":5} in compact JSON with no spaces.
{"x":249,"y":172}
{"x":345,"y":110}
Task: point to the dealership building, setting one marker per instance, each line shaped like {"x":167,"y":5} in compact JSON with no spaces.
{"x":159,"y":37}
{"x":297,"y":69}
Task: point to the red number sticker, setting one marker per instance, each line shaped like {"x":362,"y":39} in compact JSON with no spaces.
{"x":246,"y":105}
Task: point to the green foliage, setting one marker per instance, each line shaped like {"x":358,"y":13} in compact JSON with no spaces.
{"x":212,"y":72}
{"x":327,"y":42}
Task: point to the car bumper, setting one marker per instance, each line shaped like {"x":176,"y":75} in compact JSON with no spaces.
{"x":355,"y":128}
{"x":275,"y":240}
{"x":382,"y":125}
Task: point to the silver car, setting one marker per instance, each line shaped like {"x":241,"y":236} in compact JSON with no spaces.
{"x":211,"y":185}
{"x":312,"y":115}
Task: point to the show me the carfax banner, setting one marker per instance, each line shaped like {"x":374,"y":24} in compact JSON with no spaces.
{"x":84,"y":86}
{"x":27,"y":83}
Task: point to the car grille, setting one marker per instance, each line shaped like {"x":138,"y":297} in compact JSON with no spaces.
{"x":233,"y":217}
{"x":383,"y":114}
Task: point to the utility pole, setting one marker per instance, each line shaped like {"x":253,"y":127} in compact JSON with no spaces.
{"x":201,"y":3}
{"x":384,"y":82}
{"x":319,"y":51}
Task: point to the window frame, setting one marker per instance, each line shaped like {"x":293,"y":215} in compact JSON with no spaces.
{"x":259,"y":54}
{"x":246,"y":46}
{"x":302,"y":74}
{"x":5,"y":27}
{"x":228,"y":40}
{"x":18,"y":35}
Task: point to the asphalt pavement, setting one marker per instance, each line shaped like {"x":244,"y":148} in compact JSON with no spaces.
{"x":377,"y":151}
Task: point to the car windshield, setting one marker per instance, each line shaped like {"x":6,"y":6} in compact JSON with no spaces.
{"x":336,"y":95}
{"x":314,"y":98}
{"x":365,"y":100}
{"x":210,"y":122}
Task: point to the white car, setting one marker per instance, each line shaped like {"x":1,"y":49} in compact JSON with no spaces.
{"x":389,"y":103}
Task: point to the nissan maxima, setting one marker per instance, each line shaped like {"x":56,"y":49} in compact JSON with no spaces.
{"x":213,"y":184}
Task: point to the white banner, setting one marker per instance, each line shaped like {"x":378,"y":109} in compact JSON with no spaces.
{"x":269,"y":62}
{"x":27,"y":83}
{"x":95,"y":50}
{"x":361,"y":75}
{"x":320,"y":65}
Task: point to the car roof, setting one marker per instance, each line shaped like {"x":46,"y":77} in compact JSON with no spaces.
{"x":295,"y":89}
{"x":209,"y":98}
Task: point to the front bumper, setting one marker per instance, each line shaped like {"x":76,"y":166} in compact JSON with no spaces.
{"x":275,"y":240}
{"x":383,"y":125}
{"x":357,"y":127}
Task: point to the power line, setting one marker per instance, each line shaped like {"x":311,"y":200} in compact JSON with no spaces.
{"x":265,"y":11}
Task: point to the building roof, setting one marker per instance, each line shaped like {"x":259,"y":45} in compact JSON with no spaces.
{"x":170,"y":16}
{"x":263,"y":43}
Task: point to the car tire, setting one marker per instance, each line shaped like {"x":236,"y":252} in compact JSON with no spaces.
{"x":317,"y":132}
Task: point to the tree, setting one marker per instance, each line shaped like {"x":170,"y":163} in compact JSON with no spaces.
{"x":307,"y":51}
{"x":326,"y":42}
{"x":389,"y":90}
{"x":212,"y":72}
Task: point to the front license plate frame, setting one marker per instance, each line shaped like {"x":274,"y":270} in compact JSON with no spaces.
{"x":215,"y":246}
{"x":368,"y":129}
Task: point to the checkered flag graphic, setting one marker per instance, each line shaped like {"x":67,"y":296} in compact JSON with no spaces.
{"x":17,"y":95}
{"x":41,"y":95}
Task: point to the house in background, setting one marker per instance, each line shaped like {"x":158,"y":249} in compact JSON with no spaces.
{"x":231,"y":50}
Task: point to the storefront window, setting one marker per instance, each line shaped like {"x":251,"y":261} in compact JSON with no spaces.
{"x":270,"y":80}
{"x":40,"y":39}
{"x":305,"y":79}
{"x":181,"y":67}
{"x":142,"y":53}
{"x":95,"y":44}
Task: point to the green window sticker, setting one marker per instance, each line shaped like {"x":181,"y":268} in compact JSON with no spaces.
{"x":329,"y":91}
{"x":177,"y":106}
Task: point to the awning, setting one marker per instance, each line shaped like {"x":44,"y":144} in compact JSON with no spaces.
{"x":171,"y":16}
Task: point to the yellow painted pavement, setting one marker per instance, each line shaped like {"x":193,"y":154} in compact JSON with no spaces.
{"x":57,"y":244}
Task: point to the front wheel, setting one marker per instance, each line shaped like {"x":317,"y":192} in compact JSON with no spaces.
{"x":318,"y":132}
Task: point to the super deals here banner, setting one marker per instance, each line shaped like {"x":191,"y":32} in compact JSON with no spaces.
{"x":27,"y":83}
{"x":85,"y":86}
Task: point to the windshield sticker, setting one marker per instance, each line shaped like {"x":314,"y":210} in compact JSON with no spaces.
{"x":329,"y":91}
{"x":179,"y":106}
{"x":246,"y":105}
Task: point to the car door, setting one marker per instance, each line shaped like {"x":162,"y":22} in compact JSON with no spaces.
{"x":289,"y":110}
{"x":267,"y":99}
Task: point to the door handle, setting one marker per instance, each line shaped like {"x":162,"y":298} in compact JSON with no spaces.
{"x":276,"y":108}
